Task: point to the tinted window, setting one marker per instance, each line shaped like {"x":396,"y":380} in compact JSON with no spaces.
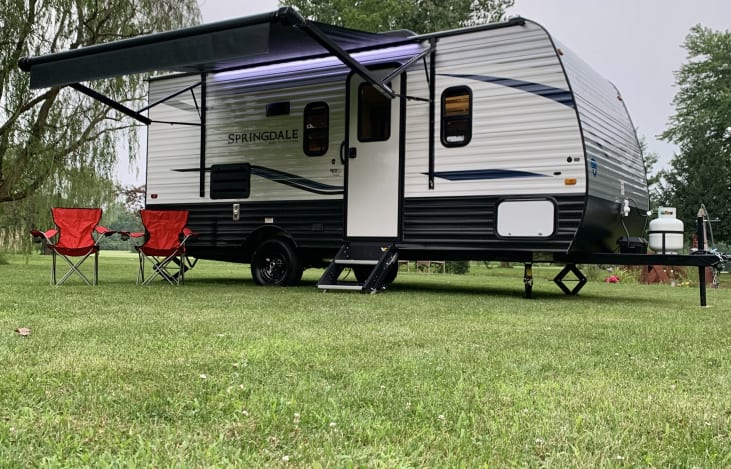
{"x":317,"y":129}
{"x":374,"y":114}
{"x":456,"y":116}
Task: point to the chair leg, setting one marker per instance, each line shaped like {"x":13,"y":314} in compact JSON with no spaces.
{"x":96,"y":268}
{"x":164,"y":272}
{"x":74,"y":268}
{"x":159,"y":268}
{"x":141,"y":271}
{"x":163,"y":268}
{"x":53,"y":268}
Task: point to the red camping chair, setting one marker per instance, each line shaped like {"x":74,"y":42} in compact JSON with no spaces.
{"x":77,"y":234}
{"x":165,"y":237}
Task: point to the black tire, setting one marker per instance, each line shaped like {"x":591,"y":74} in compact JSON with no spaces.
{"x":392,"y":273}
{"x":362,"y":273}
{"x":275,"y":263}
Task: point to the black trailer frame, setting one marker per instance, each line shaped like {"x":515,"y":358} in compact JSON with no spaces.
{"x":699,"y":258}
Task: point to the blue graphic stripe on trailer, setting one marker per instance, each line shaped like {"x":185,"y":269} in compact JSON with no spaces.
{"x":293,"y":180}
{"x":287,"y":179}
{"x":481,"y":174}
{"x":556,"y":94}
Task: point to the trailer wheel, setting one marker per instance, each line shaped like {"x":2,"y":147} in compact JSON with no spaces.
{"x":362,"y":273}
{"x":274,"y":263}
{"x":392,"y":273}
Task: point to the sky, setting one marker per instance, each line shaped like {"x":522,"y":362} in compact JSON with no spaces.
{"x":635,"y":44}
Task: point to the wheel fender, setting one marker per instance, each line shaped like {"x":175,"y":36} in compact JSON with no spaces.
{"x":264,"y":233}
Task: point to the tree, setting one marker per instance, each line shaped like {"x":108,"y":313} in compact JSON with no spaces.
{"x":420,"y":16}
{"x":655,"y":181}
{"x":700,"y":173}
{"x":133,"y":197}
{"x":56,"y":145}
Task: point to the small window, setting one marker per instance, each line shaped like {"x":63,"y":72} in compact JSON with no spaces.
{"x":456,"y":116}
{"x":278,"y":109}
{"x":374,"y":114}
{"x":317,"y":128}
{"x":230,"y":181}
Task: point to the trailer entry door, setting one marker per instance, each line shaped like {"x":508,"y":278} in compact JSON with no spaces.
{"x":372,"y":186}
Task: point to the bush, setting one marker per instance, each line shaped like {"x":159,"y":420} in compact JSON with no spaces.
{"x":457,"y":267}
{"x":3,"y":259}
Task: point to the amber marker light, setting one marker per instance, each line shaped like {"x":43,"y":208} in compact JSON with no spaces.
{"x":570,"y":181}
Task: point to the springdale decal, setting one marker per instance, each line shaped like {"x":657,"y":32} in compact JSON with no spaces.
{"x":266,"y":136}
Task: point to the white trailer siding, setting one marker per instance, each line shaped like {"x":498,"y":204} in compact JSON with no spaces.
{"x":237,"y":111}
{"x":236,"y":104}
{"x":173,"y":151}
{"x":525,"y":133}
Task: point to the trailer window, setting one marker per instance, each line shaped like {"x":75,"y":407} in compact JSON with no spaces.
{"x":317,"y":128}
{"x":456,"y":116}
{"x":278,"y":109}
{"x":230,"y":181}
{"x":374,"y":114}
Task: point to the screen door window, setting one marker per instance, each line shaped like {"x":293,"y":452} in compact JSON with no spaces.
{"x":374,"y":114}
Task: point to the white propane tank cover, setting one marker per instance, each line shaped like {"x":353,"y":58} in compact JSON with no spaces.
{"x":666,"y":232}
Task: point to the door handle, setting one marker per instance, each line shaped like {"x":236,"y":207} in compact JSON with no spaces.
{"x":352,"y":153}
{"x":236,"y":212}
{"x":342,"y":152}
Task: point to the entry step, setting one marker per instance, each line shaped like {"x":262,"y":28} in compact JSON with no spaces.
{"x":356,"y":261}
{"x":370,"y":262}
{"x":342,"y":286}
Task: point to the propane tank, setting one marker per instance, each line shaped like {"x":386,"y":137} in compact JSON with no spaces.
{"x":666,"y":232}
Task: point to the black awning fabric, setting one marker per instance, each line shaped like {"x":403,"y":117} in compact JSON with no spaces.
{"x":259,"y":39}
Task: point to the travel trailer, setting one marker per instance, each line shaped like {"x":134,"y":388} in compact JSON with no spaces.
{"x":295,"y":144}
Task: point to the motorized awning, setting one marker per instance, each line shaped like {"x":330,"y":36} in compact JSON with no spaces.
{"x":268,"y":38}
{"x":243,"y":42}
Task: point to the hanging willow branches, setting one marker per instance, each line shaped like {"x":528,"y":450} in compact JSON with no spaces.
{"x":56,"y":145}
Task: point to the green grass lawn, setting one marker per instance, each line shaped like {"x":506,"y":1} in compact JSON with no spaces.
{"x":439,"y":371}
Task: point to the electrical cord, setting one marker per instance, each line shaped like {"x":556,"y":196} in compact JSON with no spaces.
{"x":707,"y":220}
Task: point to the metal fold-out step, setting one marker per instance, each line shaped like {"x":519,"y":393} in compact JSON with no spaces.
{"x":370,"y":263}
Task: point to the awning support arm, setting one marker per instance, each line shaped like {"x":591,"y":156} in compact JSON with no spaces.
{"x":197,"y":108}
{"x":408,"y":64}
{"x":166,"y":98}
{"x":202,"y":112}
{"x":318,"y":36}
{"x":193,"y":124}
{"x":111,"y":103}
{"x":432,"y":110}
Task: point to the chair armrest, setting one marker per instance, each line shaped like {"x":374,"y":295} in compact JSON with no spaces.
{"x":103,"y":230}
{"x":44,"y":234}
{"x":187,"y":234}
